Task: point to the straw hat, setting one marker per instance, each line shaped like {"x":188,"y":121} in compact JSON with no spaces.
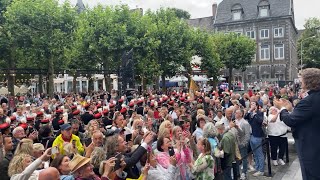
{"x":77,"y":162}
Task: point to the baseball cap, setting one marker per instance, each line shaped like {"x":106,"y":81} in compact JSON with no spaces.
{"x":65,"y":127}
{"x":219,"y":125}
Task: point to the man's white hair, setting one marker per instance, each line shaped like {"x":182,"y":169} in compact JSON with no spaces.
{"x":15,"y":130}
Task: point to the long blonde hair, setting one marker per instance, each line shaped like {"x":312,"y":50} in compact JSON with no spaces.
{"x":16,"y":165}
{"x":25,"y":146}
{"x":163,"y":131}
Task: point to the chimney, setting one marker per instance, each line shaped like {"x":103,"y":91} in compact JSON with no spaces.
{"x":214,"y":9}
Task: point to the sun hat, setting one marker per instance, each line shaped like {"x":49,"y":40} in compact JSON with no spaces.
{"x":77,"y":162}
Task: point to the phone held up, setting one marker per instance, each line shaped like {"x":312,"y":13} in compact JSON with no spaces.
{"x":171,"y":151}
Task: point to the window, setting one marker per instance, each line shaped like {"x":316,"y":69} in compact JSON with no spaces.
{"x":265,"y":52}
{"x":264,"y":11}
{"x":278,"y":32}
{"x":264,"y":33}
{"x":279,"y":51}
{"x":265,"y":76}
{"x":251,"y":34}
{"x":237,"y":11}
{"x":236,"y":15}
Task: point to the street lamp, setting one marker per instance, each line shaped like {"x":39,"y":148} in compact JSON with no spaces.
{"x":302,"y":50}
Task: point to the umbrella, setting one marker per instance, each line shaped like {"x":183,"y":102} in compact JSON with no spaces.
{"x":221,"y":79}
{"x":179,"y":79}
{"x":199,"y":78}
{"x":4,"y":91}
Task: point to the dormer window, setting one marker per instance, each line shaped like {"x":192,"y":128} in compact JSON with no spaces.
{"x":236,"y":15}
{"x":237,"y":12}
{"x":264,"y":9}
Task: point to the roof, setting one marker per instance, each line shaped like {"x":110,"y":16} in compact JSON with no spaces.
{"x":205,"y":23}
{"x":278,"y":8}
{"x":80,"y":6}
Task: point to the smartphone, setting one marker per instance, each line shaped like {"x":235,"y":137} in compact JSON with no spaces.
{"x":128,"y":137}
{"x":171,"y":151}
{"x":54,"y":150}
{"x":118,"y":162}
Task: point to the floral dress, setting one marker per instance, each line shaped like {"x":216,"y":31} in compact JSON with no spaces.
{"x":203,"y":167}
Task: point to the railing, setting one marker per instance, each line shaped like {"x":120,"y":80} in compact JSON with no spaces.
{"x":235,"y":166}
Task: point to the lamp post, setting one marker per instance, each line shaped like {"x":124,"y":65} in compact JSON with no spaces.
{"x":302,"y":50}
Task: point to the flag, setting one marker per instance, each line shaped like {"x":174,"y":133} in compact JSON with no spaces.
{"x":192,"y":89}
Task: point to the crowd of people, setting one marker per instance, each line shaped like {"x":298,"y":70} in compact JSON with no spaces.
{"x":158,"y":136}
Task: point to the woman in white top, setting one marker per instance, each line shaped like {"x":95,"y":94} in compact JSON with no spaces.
{"x":277,"y":132}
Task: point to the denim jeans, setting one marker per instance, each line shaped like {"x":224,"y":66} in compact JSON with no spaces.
{"x":227,"y":173}
{"x":244,"y":152}
{"x":258,"y":153}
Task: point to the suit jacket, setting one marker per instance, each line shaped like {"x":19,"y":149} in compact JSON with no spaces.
{"x":86,"y":117}
{"x":305,"y":121}
{"x":4,"y":165}
{"x":131,"y":160}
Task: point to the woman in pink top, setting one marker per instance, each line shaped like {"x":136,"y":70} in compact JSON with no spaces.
{"x":183,"y":157}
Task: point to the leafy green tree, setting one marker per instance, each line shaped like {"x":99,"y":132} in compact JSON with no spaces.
{"x":43,"y":30}
{"x":175,"y":48}
{"x":7,"y":49}
{"x":103,"y":35}
{"x":310,"y":44}
{"x":180,"y":13}
{"x":206,"y":49}
{"x":235,"y":52}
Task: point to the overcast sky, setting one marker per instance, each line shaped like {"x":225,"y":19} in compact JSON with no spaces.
{"x":304,"y":9}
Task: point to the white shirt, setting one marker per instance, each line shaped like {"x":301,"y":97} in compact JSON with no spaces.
{"x":276,"y":128}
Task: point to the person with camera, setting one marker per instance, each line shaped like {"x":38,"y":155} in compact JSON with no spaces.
{"x":117,"y":146}
{"x":255,"y":118}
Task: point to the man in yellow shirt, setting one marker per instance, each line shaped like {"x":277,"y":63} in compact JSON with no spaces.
{"x":67,"y":141}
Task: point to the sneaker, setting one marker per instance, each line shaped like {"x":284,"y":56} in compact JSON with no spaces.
{"x":251,"y":169}
{"x":281,"y":162}
{"x":258,"y":173}
{"x":275,"y":162}
{"x":243,"y":176}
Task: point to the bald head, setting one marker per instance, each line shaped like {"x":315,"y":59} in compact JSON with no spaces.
{"x":50,"y":173}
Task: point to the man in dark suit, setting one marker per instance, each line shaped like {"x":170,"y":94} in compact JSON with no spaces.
{"x":116,"y":144}
{"x":305,"y":122}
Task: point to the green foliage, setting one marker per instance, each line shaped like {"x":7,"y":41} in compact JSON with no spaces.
{"x":46,"y":35}
{"x":311,"y":44}
{"x":182,"y":14}
{"x":235,"y":52}
{"x":206,"y":49}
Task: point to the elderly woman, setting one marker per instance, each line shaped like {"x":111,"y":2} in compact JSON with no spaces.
{"x":210,"y":132}
{"x":97,"y":156}
{"x":21,"y":166}
{"x":277,"y":132}
{"x":61,"y":162}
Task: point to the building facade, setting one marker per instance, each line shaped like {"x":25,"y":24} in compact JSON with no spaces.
{"x":268,"y":22}
{"x":271,"y":24}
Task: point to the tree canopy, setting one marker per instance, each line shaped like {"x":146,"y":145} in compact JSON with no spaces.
{"x":310,"y":44}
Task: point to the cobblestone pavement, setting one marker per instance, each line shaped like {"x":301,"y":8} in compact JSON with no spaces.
{"x":283,"y":172}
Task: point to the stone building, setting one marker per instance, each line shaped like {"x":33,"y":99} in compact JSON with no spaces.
{"x":271,"y":24}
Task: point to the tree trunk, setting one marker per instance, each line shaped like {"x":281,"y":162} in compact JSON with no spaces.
{"x":40,"y":84}
{"x":144,"y":83}
{"x":11,"y":80}
{"x":11,"y":75}
{"x":74,"y":83}
{"x":107,"y":77}
{"x":90,"y":85}
{"x":163,"y":82}
{"x":230,"y":78}
{"x":50,"y":78}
